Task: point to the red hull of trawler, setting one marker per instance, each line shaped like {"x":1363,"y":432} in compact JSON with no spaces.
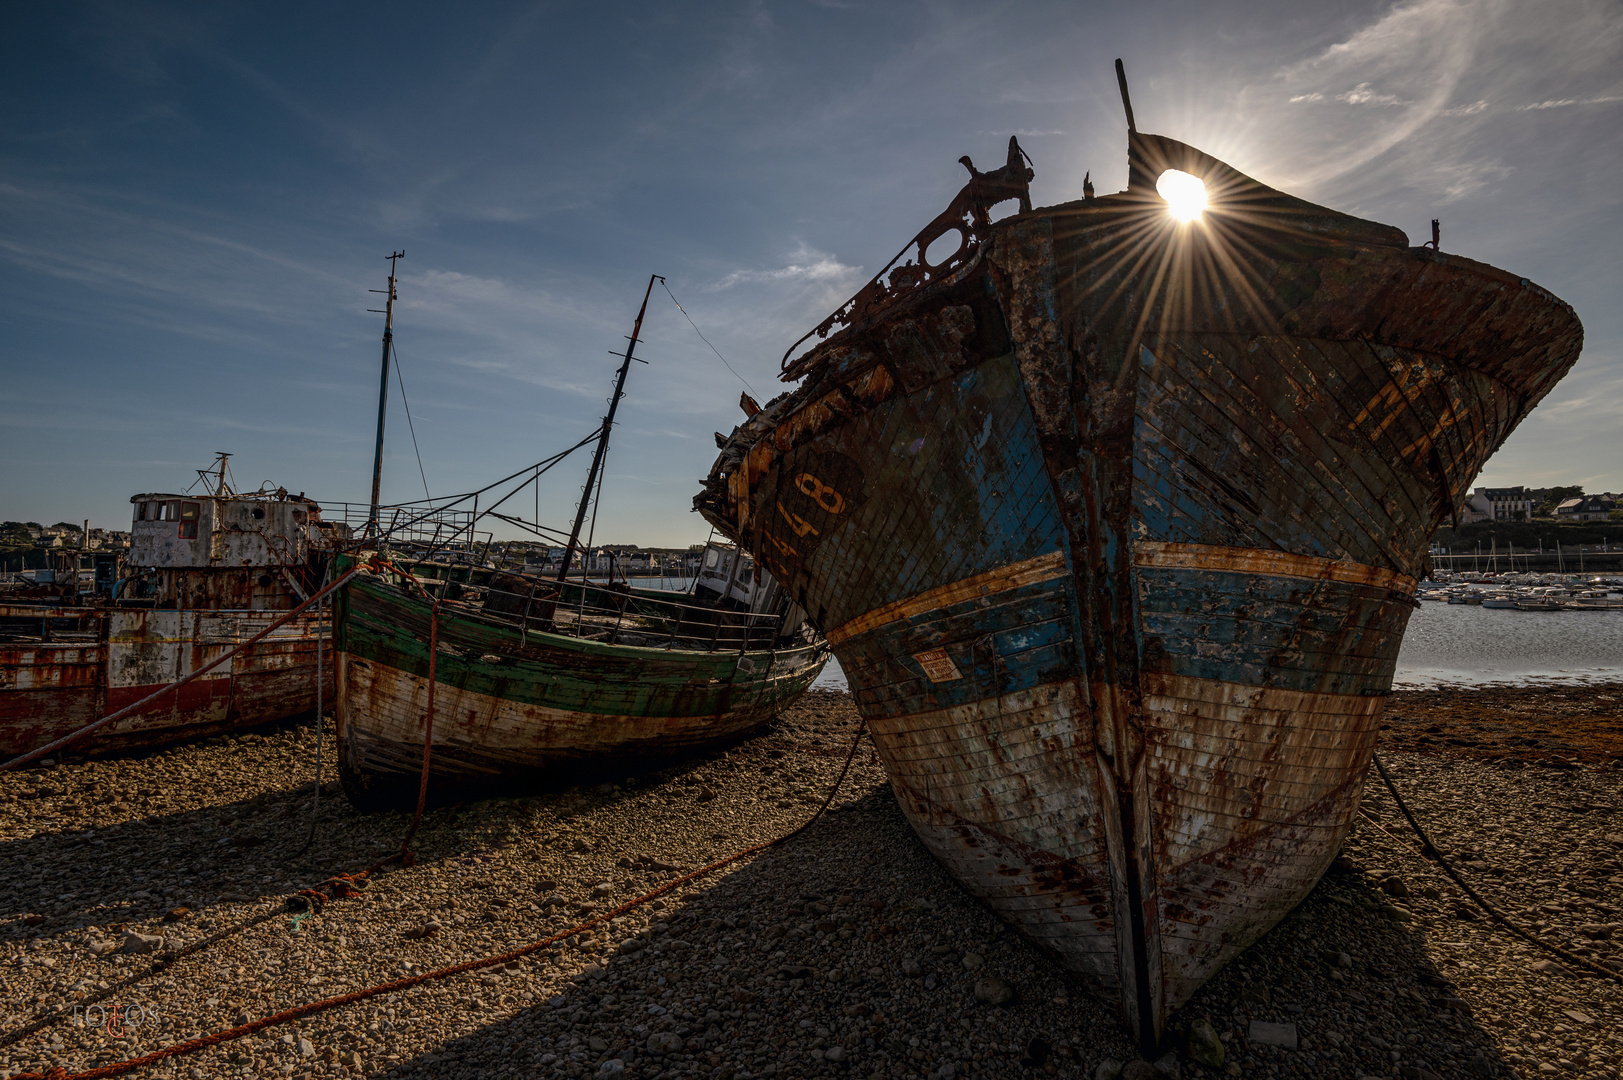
{"x":96,"y":661}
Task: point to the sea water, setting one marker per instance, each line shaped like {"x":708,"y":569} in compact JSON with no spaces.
{"x":1467,"y":645}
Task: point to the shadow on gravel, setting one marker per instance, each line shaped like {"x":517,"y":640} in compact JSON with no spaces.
{"x":1359,"y":989}
{"x":847,"y":937}
{"x":137,"y":870}
{"x":700,"y":998}
{"x":847,"y":952}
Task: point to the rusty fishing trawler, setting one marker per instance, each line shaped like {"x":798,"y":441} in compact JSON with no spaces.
{"x":1114,"y":516}
{"x":476,"y":679}
{"x":205,"y":572}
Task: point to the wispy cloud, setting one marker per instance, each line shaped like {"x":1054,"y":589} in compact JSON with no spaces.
{"x":1408,"y":63}
{"x":1024,"y":133}
{"x":809,"y":266}
{"x":1562,"y":103}
{"x":1365,"y":94}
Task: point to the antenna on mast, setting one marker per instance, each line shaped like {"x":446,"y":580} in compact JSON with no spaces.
{"x":383,"y":389}
{"x":216,"y":474}
{"x":219,"y":473}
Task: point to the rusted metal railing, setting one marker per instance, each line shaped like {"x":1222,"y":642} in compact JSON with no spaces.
{"x":588,"y":611}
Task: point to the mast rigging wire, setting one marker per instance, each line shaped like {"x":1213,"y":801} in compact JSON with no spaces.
{"x":706,"y":340}
{"x":539,"y":467}
{"x":395,"y":350}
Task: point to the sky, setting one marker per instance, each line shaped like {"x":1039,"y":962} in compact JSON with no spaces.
{"x":195,"y":201}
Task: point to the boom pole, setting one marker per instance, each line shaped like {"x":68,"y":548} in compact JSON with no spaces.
{"x":603,"y":436}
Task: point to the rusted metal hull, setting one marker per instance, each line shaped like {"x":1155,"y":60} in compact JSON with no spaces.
{"x":516,"y":708}
{"x":1115,"y":530}
{"x":103,"y":659}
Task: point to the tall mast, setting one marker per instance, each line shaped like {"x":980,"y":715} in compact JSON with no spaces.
{"x":383,"y":392}
{"x":603,"y":437}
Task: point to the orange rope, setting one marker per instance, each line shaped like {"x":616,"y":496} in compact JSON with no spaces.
{"x":311,"y":1008}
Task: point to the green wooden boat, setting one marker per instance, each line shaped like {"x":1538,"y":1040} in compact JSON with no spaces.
{"x":537,"y":681}
{"x":502,"y":679}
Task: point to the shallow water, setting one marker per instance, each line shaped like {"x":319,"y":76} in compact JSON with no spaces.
{"x":1463,"y":645}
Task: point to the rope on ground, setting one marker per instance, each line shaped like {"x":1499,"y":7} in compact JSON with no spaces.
{"x":32,"y":755}
{"x":1429,"y":850}
{"x":338,"y":886}
{"x":311,"y":1008}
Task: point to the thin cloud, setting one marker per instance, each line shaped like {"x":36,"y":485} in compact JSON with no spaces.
{"x":1364,"y":94}
{"x":1407,"y":65}
{"x":817,"y":267}
{"x":1563,"y":103}
{"x":1024,"y":133}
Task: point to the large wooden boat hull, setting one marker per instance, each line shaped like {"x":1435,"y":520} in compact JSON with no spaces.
{"x":513,"y":708}
{"x":1115,"y":531}
{"x":88,"y":662}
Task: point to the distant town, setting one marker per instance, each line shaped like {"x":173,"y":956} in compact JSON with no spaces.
{"x":27,"y":545}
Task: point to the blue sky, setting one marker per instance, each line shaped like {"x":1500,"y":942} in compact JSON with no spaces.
{"x":195,"y":199}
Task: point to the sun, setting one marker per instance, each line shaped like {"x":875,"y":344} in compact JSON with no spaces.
{"x":1185,"y":194}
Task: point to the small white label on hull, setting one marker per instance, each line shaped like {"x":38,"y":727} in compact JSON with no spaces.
{"x":938,"y":666}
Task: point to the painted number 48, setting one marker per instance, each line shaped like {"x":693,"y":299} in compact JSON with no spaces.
{"x":820,"y":493}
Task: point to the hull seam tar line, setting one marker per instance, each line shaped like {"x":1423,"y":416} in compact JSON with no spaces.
{"x":1001,"y":579}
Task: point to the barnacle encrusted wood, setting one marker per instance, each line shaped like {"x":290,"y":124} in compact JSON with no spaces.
{"x":1114,"y":528}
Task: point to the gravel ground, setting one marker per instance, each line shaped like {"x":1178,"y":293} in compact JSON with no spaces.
{"x":846,"y":952}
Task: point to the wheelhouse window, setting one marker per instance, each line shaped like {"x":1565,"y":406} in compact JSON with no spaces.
{"x":188,"y":520}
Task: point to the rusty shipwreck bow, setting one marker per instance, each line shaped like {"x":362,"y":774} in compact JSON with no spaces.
{"x":1114,"y":521}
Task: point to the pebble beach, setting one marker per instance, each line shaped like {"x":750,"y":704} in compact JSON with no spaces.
{"x":844,"y":952}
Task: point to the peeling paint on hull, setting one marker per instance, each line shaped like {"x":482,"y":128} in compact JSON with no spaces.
{"x":530,"y":708}
{"x":1115,"y":530}
{"x":119,"y":656}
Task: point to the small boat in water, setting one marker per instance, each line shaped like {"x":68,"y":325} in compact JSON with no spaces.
{"x":1113,"y":517}
{"x":205,"y":572}
{"x":495,"y":679}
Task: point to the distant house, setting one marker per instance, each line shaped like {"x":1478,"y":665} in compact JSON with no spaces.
{"x":1588,"y":507}
{"x":1498,"y":504}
